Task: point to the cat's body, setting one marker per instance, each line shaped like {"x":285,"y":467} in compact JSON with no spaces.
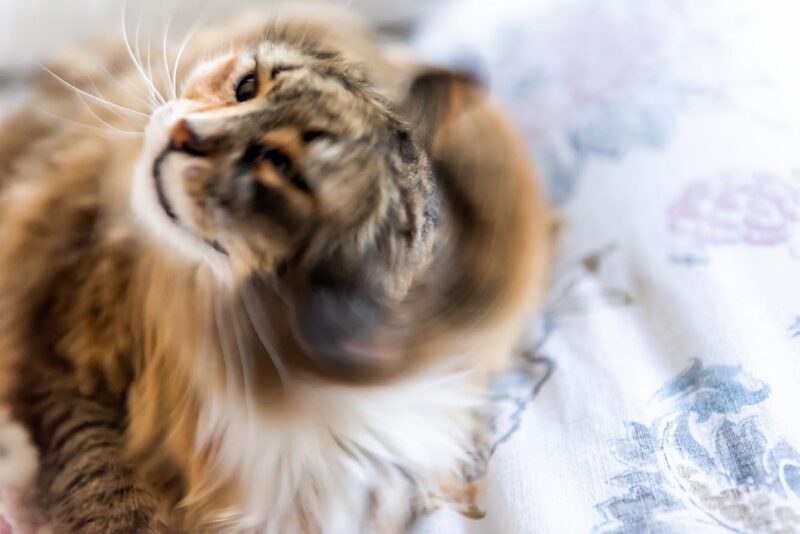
{"x":316,"y":366}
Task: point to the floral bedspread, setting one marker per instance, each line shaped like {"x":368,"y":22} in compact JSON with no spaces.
{"x":659,"y":390}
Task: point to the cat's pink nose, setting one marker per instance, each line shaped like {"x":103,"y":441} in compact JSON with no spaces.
{"x":184,"y":139}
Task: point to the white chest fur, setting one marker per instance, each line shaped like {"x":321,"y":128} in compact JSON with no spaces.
{"x":342,"y":455}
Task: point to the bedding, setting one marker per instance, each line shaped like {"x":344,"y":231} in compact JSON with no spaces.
{"x":658,"y":389}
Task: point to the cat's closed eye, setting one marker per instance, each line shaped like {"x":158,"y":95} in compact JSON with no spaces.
{"x":275,"y":157}
{"x":309,"y":136}
{"x":280,"y":161}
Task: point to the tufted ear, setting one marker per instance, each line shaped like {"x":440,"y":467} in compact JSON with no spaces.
{"x":435,"y":98}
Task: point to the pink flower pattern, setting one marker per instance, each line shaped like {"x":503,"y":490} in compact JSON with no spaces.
{"x":737,"y":208}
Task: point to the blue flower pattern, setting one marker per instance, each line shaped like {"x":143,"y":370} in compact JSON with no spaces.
{"x":516,"y":389}
{"x":710,"y":462}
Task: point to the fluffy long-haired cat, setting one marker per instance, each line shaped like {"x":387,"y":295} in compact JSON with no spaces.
{"x":277,"y":309}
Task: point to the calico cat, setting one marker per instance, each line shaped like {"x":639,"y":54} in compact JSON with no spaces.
{"x":277,"y":310}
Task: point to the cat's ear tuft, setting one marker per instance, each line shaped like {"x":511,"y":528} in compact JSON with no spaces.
{"x":435,"y":98}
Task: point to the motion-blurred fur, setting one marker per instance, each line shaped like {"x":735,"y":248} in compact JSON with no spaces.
{"x":294,"y":329}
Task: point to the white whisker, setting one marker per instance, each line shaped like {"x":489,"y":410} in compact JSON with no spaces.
{"x":115,"y":112}
{"x":150,"y":69}
{"x":93,"y":97}
{"x":168,"y":78}
{"x":137,"y":95}
{"x":84,"y":125}
{"x":105,"y":123}
{"x":137,"y":43}
{"x":189,"y":34}
{"x":138,"y":54}
{"x":133,"y":57}
{"x":148,"y":41}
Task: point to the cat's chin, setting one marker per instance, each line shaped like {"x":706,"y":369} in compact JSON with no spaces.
{"x":154,"y":211}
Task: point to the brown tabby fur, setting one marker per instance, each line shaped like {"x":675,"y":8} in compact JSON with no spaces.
{"x":105,"y":339}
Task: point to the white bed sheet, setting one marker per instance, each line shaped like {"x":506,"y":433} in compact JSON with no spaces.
{"x":661,"y":388}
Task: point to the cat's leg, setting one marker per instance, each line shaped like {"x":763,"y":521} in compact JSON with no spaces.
{"x":84,"y":484}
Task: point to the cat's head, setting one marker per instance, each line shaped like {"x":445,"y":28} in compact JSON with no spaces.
{"x":281,"y":163}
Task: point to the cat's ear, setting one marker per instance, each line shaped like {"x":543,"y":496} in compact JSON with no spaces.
{"x":435,"y":98}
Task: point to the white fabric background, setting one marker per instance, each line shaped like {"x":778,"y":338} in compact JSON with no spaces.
{"x":668,"y":130}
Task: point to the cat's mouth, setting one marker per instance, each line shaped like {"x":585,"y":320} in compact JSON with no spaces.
{"x":166,"y":205}
{"x":159,"y":186}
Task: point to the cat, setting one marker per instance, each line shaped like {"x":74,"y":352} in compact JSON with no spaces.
{"x":278,"y":309}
